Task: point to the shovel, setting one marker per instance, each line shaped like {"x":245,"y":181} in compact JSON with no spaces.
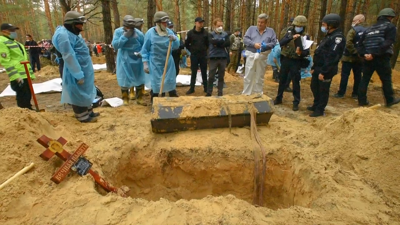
{"x":31,"y":87}
{"x":165,"y":68}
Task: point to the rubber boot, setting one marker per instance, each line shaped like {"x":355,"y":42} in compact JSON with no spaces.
{"x":173,"y":93}
{"x":145,"y":93}
{"x":125,"y":97}
{"x":132,"y":95}
{"x":139,"y":95}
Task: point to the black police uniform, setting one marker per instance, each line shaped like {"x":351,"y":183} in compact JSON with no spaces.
{"x":378,"y":41}
{"x":291,"y":65}
{"x":326,"y":59}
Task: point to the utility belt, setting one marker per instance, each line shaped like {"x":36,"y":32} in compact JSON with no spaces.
{"x":216,"y":58}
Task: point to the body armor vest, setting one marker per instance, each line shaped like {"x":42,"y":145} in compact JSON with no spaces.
{"x":289,"y":50}
{"x":374,"y":37}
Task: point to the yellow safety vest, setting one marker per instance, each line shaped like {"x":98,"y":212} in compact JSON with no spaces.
{"x":12,"y":53}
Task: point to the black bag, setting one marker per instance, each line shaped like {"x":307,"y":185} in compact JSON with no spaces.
{"x":99,"y":98}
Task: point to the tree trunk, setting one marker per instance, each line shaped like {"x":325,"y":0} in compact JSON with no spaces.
{"x":276,"y":22}
{"x":365,"y":7}
{"x":177,"y":18}
{"x":321,"y":16}
{"x":286,"y":15}
{"x":206,"y":13}
{"x":232,"y":16}
{"x":349,"y":15}
{"x":307,"y":8}
{"x":281,"y":24}
{"x":227,"y":19}
{"x":329,"y":7}
{"x":184,"y":17}
{"x":117,"y":21}
{"x":342,"y":13}
{"x":159,"y":5}
{"x":254,"y":21}
{"x":55,"y":13}
{"x":151,"y":10}
{"x":108,"y":35}
{"x":48,"y":16}
{"x":199,"y":12}
{"x":65,"y":6}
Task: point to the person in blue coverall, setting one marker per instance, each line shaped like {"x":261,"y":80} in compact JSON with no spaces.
{"x":128,"y":40}
{"x":274,"y":60}
{"x":78,"y":75}
{"x":154,"y":53}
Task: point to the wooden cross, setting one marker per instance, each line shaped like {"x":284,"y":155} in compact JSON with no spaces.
{"x":55,"y":147}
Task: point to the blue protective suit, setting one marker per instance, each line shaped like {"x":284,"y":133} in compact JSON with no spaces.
{"x":275,"y":53}
{"x":77,"y":65}
{"x":154,"y":52}
{"x":129,"y":67}
{"x":305,"y":72}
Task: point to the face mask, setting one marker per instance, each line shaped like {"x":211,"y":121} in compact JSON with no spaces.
{"x":298,"y":29}
{"x":13,"y":35}
{"x":324,"y":30}
{"x":219,"y":29}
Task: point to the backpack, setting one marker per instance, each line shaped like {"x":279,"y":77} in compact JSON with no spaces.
{"x":236,"y":44}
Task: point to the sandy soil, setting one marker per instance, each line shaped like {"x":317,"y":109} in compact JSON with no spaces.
{"x":338,"y":169}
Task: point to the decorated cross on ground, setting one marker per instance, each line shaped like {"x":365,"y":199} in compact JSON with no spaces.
{"x":75,"y":162}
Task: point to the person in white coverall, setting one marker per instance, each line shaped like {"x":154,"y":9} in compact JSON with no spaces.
{"x":259,"y":40}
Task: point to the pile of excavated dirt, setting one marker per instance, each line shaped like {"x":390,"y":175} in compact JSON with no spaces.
{"x":340,"y":172}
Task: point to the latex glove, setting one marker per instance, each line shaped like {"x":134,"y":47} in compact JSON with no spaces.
{"x":128,"y":32}
{"x":263,"y":47}
{"x":172,"y":37}
{"x":137,"y":54}
{"x":146,"y":67}
{"x":20,"y":81}
{"x":81,"y":81}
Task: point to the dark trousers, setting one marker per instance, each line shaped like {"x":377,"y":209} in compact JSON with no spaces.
{"x":215,"y":64}
{"x":346,"y":68}
{"x":61,"y":67}
{"x":23,"y":93}
{"x":194,"y":66}
{"x":320,"y":90}
{"x":35,"y":61}
{"x":177,"y":58}
{"x":290,"y":70}
{"x":382,"y":66}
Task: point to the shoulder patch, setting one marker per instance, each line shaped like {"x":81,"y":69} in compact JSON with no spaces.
{"x":338,"y":40}
{"x":3,"y":54}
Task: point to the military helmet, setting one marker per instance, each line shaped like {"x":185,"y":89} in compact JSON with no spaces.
{"x":332,"y":20}
{"x":300,"y":21}
{"x":387,"y":12}
{"x":128,"y":21}
{"x":74,"y":17}
{"x":161,"y":16}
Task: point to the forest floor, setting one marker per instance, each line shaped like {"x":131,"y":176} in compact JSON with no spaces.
{"x":338,"y":169}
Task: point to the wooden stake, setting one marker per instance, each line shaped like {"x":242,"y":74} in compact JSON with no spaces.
{"x":165,"y":69}
{"x":24,"y":170}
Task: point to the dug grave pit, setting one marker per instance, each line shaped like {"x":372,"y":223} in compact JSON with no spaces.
{"x":176,"y":174}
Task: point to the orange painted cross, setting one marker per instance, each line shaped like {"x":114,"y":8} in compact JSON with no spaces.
{"x":55,"y":147}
